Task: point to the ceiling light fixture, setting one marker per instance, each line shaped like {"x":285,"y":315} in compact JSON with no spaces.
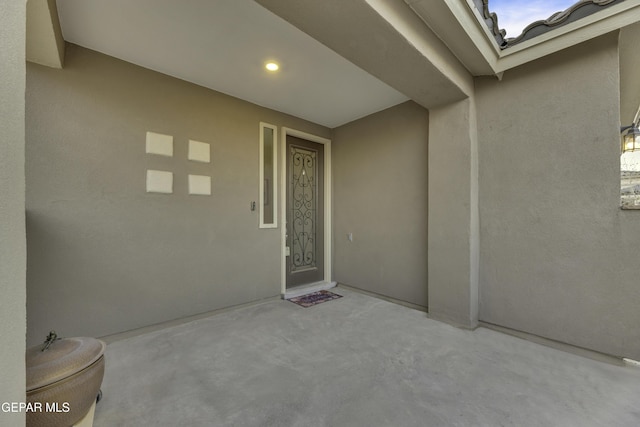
{"x":272,"y":66}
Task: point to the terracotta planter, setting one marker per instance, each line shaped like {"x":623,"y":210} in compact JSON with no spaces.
{"x":63,"y":381}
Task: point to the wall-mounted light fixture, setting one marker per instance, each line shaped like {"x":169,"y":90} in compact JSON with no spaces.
{"x":630,"y":138}
{"x":630,"y":135}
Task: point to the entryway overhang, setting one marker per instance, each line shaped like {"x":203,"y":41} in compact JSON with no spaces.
{"x":386,"y":39}
{"x":429,"y":50}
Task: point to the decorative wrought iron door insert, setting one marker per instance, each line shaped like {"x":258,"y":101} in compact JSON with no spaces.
{"x":303,"y":205}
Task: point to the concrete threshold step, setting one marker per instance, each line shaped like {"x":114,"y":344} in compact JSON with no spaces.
{"x":307,"y":289}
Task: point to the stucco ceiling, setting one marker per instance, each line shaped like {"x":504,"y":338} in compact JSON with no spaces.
{"x":223,"y":45}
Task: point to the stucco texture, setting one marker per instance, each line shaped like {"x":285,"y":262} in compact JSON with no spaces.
{"x":12,"y":199}
{"x":453,"y":225}
{"x":104,"y":255}
{"x":558,"y":256}
{"x":380,"y":196}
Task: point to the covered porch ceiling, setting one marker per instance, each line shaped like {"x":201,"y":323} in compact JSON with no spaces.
{"x":339,"y":60}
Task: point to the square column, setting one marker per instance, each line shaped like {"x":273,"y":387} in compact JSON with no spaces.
{"x":453,"y":214}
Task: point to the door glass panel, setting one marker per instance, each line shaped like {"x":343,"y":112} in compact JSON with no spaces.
{"x":267,"y":176}
{"x":303,"y":208}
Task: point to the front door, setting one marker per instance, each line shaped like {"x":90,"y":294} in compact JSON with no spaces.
{"x":305,"y":212}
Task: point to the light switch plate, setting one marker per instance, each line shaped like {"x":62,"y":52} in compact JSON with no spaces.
{"x":200,"y":185}
{"x":159,"y":182}
{"x":199,"y":151}
{"x":159,"y":144}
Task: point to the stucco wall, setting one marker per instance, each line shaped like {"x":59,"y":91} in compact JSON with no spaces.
{"x":380,"y":182}
{"x":558,"y":256}
{"x":453,"y":214}
{"x":629,"y":65}
{"x":104,"y":255}
{"x":12,"y":195}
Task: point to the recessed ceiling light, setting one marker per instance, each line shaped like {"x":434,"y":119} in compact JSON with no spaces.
{"x":272,"y":66}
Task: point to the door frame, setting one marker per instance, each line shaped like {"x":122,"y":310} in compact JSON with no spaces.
{"x":283,"y":202}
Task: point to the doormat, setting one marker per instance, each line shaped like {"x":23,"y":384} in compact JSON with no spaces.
{"x":315,"y":298}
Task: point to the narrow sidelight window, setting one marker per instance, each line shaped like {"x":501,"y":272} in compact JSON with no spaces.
{"x":268,"y":175}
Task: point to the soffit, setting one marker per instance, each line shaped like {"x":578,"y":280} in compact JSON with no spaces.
{"x":461,"y":27}
{"x":386,"y":39}
{"x":223,"y":45}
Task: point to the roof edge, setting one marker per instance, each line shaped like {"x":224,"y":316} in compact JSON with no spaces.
{"x":577,"y":11}
{"x":491,"y":20}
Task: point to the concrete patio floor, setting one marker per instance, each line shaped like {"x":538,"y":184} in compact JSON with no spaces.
{"x":354,"y":361}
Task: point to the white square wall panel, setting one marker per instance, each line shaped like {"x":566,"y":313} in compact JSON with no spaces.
{"x":200,"y":185}
{"x":159,"y":182}
{"x":159,"y":144}
{"x":199,"y":151}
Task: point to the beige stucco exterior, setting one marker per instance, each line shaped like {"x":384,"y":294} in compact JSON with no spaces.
{"x":380,"y":170}
{"x":12,"y":194}
{"x":103,"y":249}
{"x":453,"y":228}
{"x":521,"y":185}
{"x":557,"y":253}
